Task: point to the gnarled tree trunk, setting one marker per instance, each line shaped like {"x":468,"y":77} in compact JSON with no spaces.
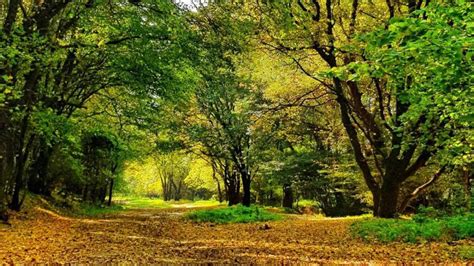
{"x":388,"y":201}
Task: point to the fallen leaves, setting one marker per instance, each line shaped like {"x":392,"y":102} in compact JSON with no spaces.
{"x":164,"y":236}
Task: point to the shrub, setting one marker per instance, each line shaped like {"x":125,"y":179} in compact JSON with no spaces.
{"x":421,"y":228}
{"x":234,"y":214}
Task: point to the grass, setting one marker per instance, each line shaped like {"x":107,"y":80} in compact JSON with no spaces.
{"x":123,"y":203}
{"x":306,"y":203}
{"x":419,"y":229}
{"x":134,"y":202}
{"x":234,"y":214}
{"x":95,"y":210}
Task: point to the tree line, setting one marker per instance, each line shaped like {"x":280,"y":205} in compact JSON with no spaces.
{"x":325,"y":100}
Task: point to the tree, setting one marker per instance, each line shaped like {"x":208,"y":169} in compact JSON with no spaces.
{"x":221,"y":120}
{"x":99,"y":166}
{"x":172,"y":170}
{"x":60,"y":57}
{"x":390,"y":142}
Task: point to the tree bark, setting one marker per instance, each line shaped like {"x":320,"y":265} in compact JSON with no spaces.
{"x":11,"y":16}
{"x":233,"y":189}
{"x":20,"y":171}
{"x":246,"y":188}
{"x":287,"y":196}
{"x":388,"y":199}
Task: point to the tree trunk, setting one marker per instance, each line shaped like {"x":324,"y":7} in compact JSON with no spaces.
{"x":219,"y":190}
{"x":3,"y":206}
{"x":466,"y":174}
{"x":287,"y":196}
{"x":85,"y":192}
{"x":111,"y":189}
{"x":388,"y":199}
{"x":6,"y":164}
{"x":246,"y":188}
{"x":233,"y":190}
{"x":11,"y":15}
{"x":376,"y":200}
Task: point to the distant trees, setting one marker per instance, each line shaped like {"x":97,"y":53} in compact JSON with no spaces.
{"x":172,"y":170}
{"x":221,"y":121}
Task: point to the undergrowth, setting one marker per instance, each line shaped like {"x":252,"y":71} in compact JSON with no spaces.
{"x":234,"y":214}
{"x":418,"y":229}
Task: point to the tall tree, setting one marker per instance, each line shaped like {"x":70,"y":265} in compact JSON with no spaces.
{"x":390,"y":142}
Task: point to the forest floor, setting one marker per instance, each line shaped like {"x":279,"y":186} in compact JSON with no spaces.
{"x":163,"y":235}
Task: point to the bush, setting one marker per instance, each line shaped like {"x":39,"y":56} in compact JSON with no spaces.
{"x":421,"y":228}
{"x":234,"y":214}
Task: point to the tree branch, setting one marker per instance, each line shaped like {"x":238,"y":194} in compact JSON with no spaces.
{"x":421,"y":188}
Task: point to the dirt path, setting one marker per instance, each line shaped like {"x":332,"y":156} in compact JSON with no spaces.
{"x":164,"y":236}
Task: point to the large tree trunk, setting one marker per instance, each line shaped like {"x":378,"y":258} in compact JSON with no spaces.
{"x":288,"y":199}
{"x":246,"y":189}
{"x":387,"y":207}
{"x":246,"y":180}
{"x":16,"y":202}
{"x":233,"y":189}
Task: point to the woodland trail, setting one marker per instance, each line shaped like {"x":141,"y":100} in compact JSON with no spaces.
{"x":147,"y":236}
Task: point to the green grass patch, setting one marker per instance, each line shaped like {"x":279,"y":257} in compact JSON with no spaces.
{"x":136,"y":202}
{"x":145,"y":203}
{"x":418,"y":229}
{"x":97,"y":210}
{"x":207,"y":203}
{"x":234,"y":214}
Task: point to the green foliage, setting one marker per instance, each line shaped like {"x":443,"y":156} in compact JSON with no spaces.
{"x":426,"y":59}
{"x":234,"y":214}
{"x":314,"y":175}
{"x":419,"y":229}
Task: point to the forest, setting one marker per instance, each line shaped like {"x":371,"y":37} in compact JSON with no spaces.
{"x":239,"y":131}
